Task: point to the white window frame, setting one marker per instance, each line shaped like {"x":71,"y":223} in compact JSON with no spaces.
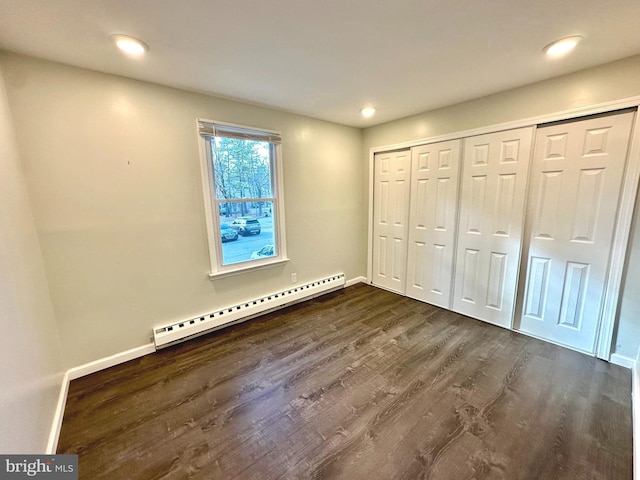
{"x":206,"y":130}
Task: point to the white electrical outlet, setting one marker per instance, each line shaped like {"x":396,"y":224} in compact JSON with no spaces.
{"x":294,"y":277}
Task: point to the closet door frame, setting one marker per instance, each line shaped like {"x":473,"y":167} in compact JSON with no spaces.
{"x":626,"y":205}
{"x":621,"y":232}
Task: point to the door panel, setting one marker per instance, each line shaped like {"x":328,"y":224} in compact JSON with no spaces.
{"x":432,"y":222}
{"x":576,"y":180}
{"x":390,"y":223}
{"x":494,"y":182}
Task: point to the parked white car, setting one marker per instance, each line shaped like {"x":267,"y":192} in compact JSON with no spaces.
{"x":266,"y":251}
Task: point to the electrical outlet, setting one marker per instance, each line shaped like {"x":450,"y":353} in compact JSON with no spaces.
{"x":294,"y":277}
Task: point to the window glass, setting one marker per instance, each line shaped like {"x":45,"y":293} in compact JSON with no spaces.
{"x":252,"y":222}
{"x":242,"y":168}
{"x":245,"y":223}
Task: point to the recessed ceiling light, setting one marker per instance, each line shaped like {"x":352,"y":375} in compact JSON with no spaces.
{"x":130,"y":45}
{"x":562,"y":46}
{"x":368,"y":111}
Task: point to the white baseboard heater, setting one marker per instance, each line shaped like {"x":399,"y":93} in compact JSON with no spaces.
{"x":171,"y":334}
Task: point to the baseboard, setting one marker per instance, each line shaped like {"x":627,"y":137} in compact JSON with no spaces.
{"x":355,"y":280}
{"x":56,"y":425}
{"x":622,"y":360}
{"x":110,"y":361}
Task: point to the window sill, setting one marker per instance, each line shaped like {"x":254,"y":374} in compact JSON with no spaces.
{"x":247,"y":268}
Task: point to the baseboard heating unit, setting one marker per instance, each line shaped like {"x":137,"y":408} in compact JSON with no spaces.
{"x":171,"y":334}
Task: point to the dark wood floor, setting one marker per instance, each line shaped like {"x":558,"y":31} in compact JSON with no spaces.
{"x":357,"y":384}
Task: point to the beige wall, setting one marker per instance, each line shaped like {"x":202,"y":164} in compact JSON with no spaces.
{"x":603,"y":84}
{"x":29,"y":344}
{"x":113,"y":173}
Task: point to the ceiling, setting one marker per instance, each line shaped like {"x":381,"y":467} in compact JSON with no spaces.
{"x":328,"y":58}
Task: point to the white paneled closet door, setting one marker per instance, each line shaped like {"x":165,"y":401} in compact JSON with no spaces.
{"x":576,"y":181}
{"x":432,"y":222}
{"x":494,"y":182}
{"x":392,"y":172}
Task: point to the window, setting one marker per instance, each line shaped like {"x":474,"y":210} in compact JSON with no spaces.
{"x":242,"y":179}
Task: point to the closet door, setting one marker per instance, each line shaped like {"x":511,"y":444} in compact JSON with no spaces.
{"x":390,"y":219}
{"x":432,"y":222}
{"x":494,"y":182}
{"x":576,"y":181}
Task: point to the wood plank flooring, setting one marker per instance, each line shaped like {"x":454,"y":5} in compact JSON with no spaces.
{"x":357,"y":384}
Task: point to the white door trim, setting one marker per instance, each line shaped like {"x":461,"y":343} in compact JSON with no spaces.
{"x":625,"y":210}
{"x":630,"y":102}
{"x":620,"y":242}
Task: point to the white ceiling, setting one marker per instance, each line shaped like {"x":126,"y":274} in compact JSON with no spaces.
{"x":328,"y":58}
